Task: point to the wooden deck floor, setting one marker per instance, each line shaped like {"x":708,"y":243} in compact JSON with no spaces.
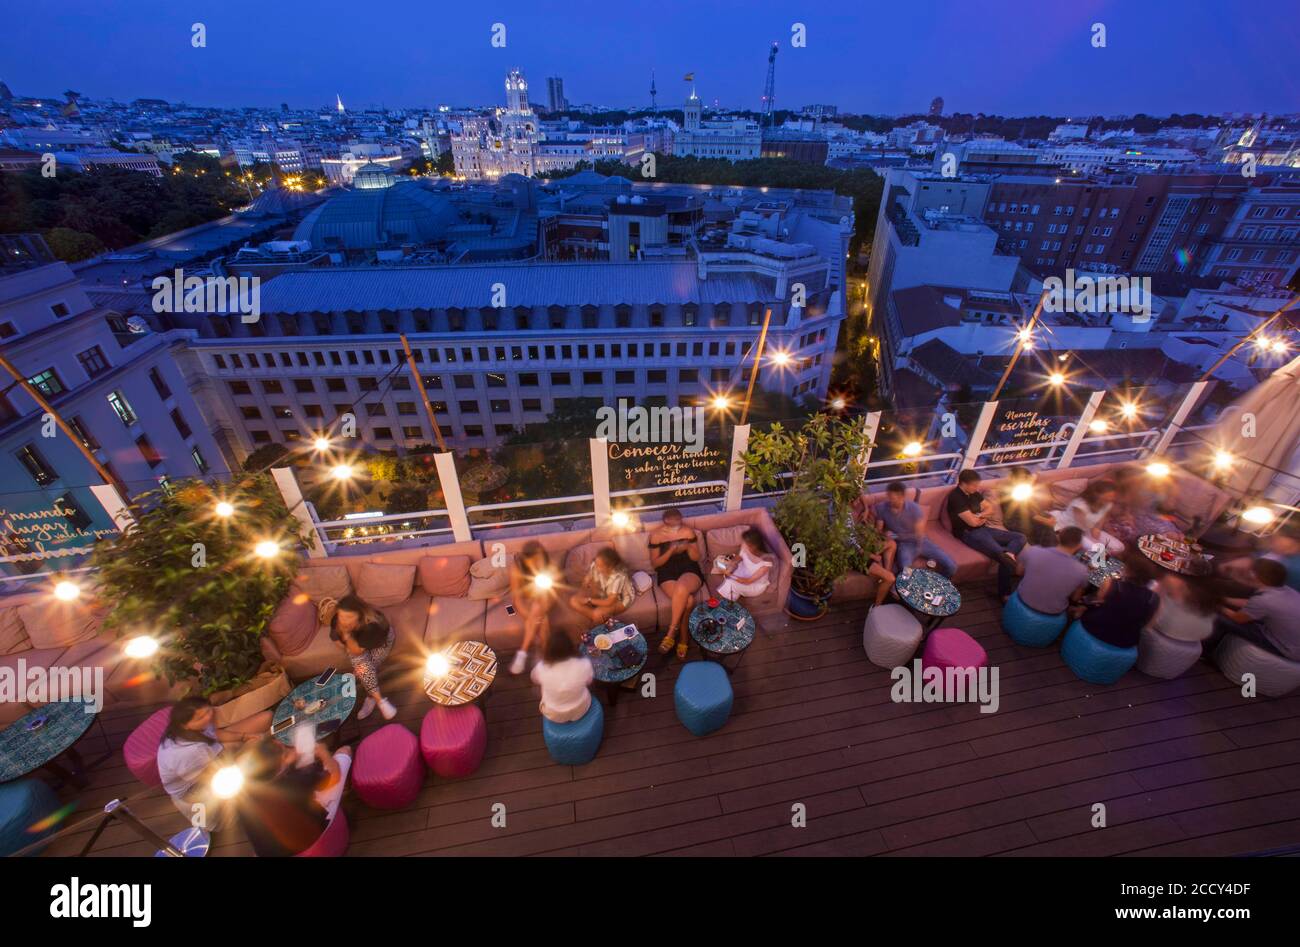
{"x":1184,"y":767}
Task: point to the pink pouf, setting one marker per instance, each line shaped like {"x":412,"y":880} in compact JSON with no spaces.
{"x":141,"y":748}
{"x":388,"y":773}
{"x":952,"y":648}
{"x":453,"y":739}
{"x":333,"y":842}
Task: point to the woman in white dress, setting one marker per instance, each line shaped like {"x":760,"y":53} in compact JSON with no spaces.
{"x":1088,"y":511}
{"x":749,"y":573}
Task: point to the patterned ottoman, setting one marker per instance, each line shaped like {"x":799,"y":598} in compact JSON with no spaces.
{"x":333,"y":842}
{"x":575,"y":743}
{"x":702,"y":697}
{"x":141,"y":748}
{"x":1028,"y":627}
{"x":453,"y":739}
{"x":953,"y":648}
{"x":23,"y":805}
{"x":1165,"y":657}
{"x":388,"y":772}
{"x":1093,"y":660}
{"x":1275,"y":676}
{"x":890,"y":636}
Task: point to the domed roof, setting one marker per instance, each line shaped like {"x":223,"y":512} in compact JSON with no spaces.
{"x":370,"y":176}
{"x":369,"y":217}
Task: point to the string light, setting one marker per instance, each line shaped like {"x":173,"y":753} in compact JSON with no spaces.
{"x":66,"y":591}
{"x":342,"y":472}
{"x":620,"y":519}
{"x":1222,"y":460}
{"x":141,"y":646}
{"x":267,"y":549}
{"x":1258,"y":515}
{"x":912,"y":448}
{"x":437,"y":665}
{"x":224,"y":510}
{"x":543,"y":581}
{"x":1158,"y":469}
{"x":227,"y":782}
{"x":1056,"y":379}
{"x":1022,"y":492}
{"x":1098,"y":426}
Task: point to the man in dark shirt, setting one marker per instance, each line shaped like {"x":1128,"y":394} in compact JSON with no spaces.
{"x":969,"y":513}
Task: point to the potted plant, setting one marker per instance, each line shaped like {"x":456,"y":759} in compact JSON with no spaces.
{"x":191,"y":577}
{"x":820,"y":466}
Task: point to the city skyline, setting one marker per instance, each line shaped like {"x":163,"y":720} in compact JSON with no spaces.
{"x":915,"y":54}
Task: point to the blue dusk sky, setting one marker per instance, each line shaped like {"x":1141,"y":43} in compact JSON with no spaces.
{"x":1012,"y":57}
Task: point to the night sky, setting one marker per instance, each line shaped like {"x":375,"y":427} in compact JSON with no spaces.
{"x":1007,"y":56}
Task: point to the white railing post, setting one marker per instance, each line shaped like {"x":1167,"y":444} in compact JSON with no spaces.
{"x":870,"y":427}
{"x":1081,"y":429}
{"x":736,"y":472}
{"x":450,"y":482}
{"x":116,"y":507}
{"x":599,"y":447}
{"x":1176,"y":422}
{"x":292,"y":493}
{"x":977,"y":436}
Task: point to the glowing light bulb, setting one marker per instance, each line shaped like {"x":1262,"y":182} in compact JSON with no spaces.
{"x":341,"y":472}
{"x":1158,"y":469}
{"x":267,"y":549}
{"x":1259,"y":515}
{"x":1056,"y":379}
{"x":543,"y":581}
{"x":839,"y":404}
{"x":1223,"y":460}
{"x":224,"y":509}
{"x":67,"y":591}
{"x":227,"y":781}
{"x":619,"y":518}
{"x":1021,"y":492}
{"x":912,"y":448}
{"x":321,"y":444}
{"x":437,"y":665}
{"x":1129,"y":409}
{"x":141,"y":646}
{"x":1098,"y":426}
{"x":721,"y":403}
{"x":780,"y":359}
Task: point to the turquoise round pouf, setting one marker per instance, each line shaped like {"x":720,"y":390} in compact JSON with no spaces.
{"x":23,"y":804}
{"x":576,"y":742}
{"x":702,"y":697}
{"x":1093,"y":660}
{"x":1028,"y":627}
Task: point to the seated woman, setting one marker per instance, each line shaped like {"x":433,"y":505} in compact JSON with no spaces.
{"x":368,"y":639}
{"x":565,"y":679}
{"x":1088,"y":511}
{"x":1026,"y":515}
{"x":607,"y":589}
{"x":675,"y":554}
{"x":1136,"y":511}
{"x":1188,"y":606}
{"x":191,"y":742}
{"x":532,"y":603}
{"x":748,"y":573}
{"x":1127,"y":606}
{"x":284,"y":806}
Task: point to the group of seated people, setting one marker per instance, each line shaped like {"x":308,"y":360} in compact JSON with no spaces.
{"x":607,"y":590}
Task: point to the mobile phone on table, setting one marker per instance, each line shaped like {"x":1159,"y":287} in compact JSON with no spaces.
{"x":325,"y":677}
{"x":510,"y":610}
{"x":325,"y":728}
{"x":282,"y":725}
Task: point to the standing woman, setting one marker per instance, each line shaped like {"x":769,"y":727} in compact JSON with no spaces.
{"x":532,"y":603}
{"x":675,"y":554}
{"x":750,"y":572}
{"x":368,"y":639}
{"x":606,"y":590}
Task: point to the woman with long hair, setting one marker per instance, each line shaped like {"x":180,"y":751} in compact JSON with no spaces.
{"x":367,"y":637}
{"x":675,"y":554}
{"x":192,"y":741}
{"x":532,"y":600}
{"x":750,"y":571}
{"x":1088,"y":511}
{"x":565,"y":679}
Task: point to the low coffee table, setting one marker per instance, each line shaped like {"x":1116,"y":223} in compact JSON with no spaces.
{"x":607,"y":669}
{"x":1097,"y":574}
{"x":734,"y":627}
{"x":25,"y":746}
{"x":1176,"y":555}
{"x":927,"y":593}
{"x":471,"y":671}
{"x":339,"y":695}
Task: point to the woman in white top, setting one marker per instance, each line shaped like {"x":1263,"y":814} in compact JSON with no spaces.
{"x":1188,"y":606}
{"x":749,"y":573}
{"x":191,"y":742}
{"x":1088,"y":511}
{"x":565,"y":679}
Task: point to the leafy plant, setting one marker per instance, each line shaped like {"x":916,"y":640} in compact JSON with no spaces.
{"x":190,"y":577}
{"x":820,"y":466}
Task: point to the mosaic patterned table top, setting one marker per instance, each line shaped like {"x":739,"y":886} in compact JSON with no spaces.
{"x":1174,"y":554}
{"x":607,"y":668}
{"x":1100,"y":568}
{"x":23,"y":749}
{"x":473,"y":669}
{"x":340,"y":696}
{"x":922,"y":582}
{"x":734,"y":624}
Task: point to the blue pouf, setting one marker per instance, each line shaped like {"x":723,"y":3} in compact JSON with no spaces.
{"x":703,"y":697}
{"x":1093,"y":660}
{"x":576,"y":742}
{"x":22,"y":805}
{"x":1028,"y":627}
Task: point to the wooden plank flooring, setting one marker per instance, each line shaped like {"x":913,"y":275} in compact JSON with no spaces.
{"x":1186,"y":766}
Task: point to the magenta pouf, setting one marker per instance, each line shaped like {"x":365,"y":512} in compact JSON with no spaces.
{"x":141,"y":748}
{"x":952,"y":648}
{"x":388,"y":773}
{"x":453,"y":739}
{"x":333,"y":842}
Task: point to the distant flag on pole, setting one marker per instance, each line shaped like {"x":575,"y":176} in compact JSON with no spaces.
{"x":690,"y":77}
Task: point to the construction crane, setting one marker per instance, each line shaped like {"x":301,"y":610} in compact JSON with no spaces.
{"x":769,"y":88}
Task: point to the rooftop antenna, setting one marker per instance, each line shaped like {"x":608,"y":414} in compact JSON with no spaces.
{"x":654,"y":105}
{"x":769,"y":87}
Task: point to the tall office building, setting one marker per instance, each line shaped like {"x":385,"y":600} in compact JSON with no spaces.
{"x":555,"y":94}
